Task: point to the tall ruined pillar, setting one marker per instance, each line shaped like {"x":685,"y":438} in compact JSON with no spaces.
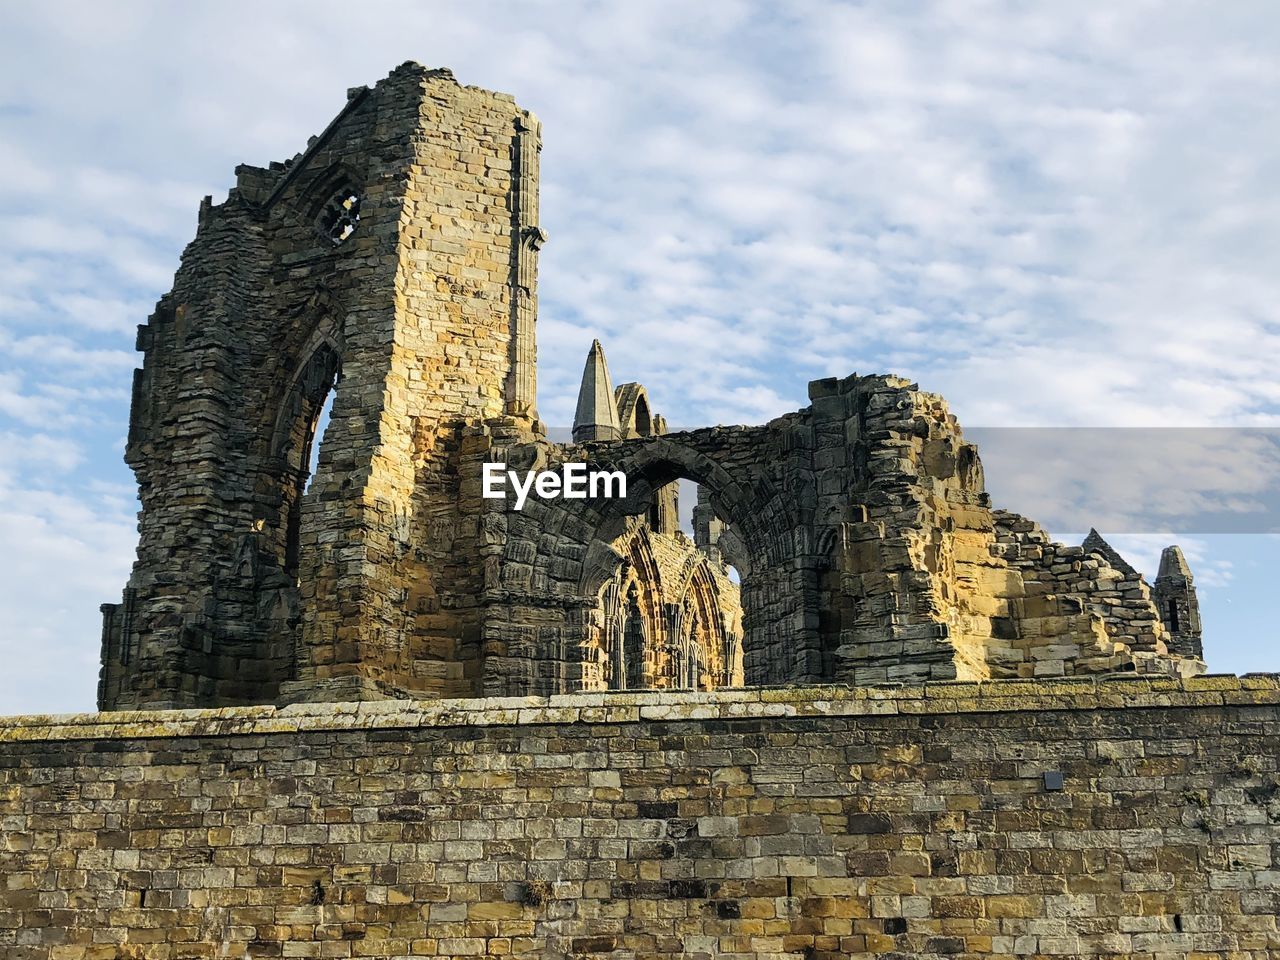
{"x":522,"y":382}
{"x":1174,"y":594}
{"x":392,"y":263}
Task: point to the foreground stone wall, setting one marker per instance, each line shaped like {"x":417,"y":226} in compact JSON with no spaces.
{"x":806,"y":822}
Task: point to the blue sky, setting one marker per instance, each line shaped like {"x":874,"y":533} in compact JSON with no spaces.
{"x":1052,"y":214}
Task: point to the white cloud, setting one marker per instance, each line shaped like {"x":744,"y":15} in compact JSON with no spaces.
{"x":1133,"y":481}
{"x":41,"y":450}
{"x":64,"y":554}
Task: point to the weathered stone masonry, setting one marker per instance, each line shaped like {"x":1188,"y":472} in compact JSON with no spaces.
{"x":414,"y":203}
{"x":822,"y":823}
{"x":394,"y":264}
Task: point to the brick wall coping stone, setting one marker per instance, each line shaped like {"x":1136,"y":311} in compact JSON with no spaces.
{"x":732,"y":704}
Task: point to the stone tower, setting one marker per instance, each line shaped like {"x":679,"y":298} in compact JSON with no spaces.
{"x":1174,"y":593}
{"x":393,"y":261}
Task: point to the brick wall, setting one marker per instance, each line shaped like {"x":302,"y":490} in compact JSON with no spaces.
{"x":805,"y":822}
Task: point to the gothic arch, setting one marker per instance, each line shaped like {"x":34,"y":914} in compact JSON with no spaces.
{"x":707,"y":638}
{"x":741,"y":495}
{"x":324,"y":344}
{"x":630,"y":609}
{"x":293,"y":433}
{"x":659,"y":625}
{"x":565,"y":551}
{"x":635,"y":413}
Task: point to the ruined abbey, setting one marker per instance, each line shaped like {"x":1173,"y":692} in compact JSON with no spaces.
{"x":354,"y":706}
{"x":395,"y":262}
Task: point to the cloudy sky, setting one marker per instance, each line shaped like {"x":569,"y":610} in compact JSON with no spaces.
{"x":1053,"y":214}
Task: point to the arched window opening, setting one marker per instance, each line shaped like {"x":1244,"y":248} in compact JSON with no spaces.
{"x":319,"y":431}
{"x":340,"y":216}
{"x":299,"y":535}
{"x":690,"y":592}
{"x":634,"y":414}
{"x":643,"y":418}
{"x":303,"y":420}
{"x":1173,"y":616}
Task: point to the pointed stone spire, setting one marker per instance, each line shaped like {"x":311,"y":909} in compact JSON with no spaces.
{"x":1094,"y":543}
{"x":1173,"y":564}
{"x":597,"y":414}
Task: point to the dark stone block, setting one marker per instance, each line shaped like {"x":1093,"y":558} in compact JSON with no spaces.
{"x":728,"y":909}
{"x":869,"y":823}
{"x":688,"y":889}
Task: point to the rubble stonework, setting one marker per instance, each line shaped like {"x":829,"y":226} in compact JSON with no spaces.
{"x":1077,"y":818}
{"x":394,"y":263}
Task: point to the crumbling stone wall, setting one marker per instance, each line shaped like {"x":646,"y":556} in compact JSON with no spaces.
{"x":868,"y":549}
{"x":1072,"y":592}
{"x":1082,"y":818}
{"x":394,"y":264}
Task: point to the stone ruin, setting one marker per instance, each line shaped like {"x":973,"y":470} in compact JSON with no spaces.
{"x":394,"y":263}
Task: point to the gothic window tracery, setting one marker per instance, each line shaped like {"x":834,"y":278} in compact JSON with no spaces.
{"x":340,"y":216}
{"x":669,"y":615}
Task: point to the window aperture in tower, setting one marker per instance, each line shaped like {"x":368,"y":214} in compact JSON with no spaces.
{"x":341,"y":217}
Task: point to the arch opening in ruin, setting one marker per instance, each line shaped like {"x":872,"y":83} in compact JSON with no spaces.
{"x":643,"y":418}
{"x":667,"y":618}
{"x":318,"y":433}
{"x":306,"y":399}
{"x":691,"y":608}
